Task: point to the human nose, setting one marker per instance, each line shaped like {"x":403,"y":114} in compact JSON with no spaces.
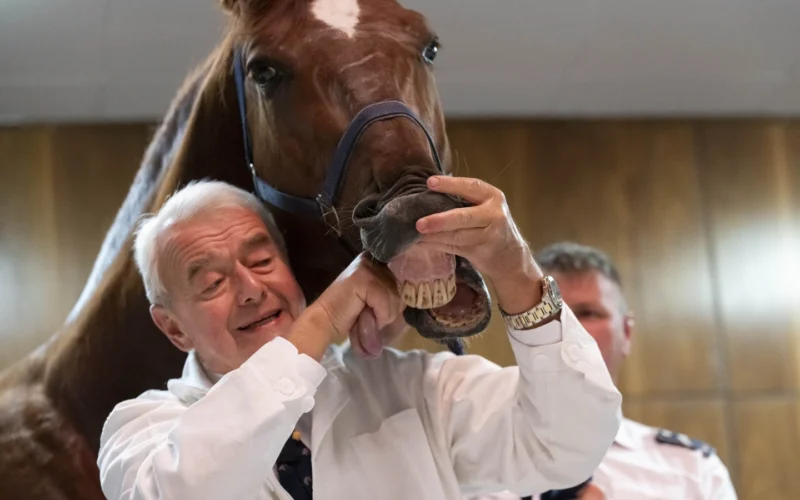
{"x":250,"y":289}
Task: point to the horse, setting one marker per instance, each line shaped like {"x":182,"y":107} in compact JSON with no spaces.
{"x":291,"y":84}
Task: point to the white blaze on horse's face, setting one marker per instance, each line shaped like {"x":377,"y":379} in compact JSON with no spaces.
{"x":338,"y":14}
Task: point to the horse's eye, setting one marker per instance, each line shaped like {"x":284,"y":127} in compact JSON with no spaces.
{"x":263,"y":74}
{"x":430,"y":51}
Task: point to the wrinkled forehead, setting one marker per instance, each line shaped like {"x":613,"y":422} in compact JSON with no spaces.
{"x":199,"y":232}
{"x":287,"y":24}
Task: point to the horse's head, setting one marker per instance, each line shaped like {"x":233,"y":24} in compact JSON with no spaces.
{"x":309,"y":68}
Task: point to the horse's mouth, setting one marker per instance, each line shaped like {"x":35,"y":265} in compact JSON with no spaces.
{"x":445,"y":296}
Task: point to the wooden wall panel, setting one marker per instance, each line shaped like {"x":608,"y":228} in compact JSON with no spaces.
{"x":28,"y":270}
{"x":60,"y":188}
{"x":91,"y":182}
{"x":768,"y":437}
{"x":750,"y":174}
{"x":668,"y":252}
{"x":701,"y":217}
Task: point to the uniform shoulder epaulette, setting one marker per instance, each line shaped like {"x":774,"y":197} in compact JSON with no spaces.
{"x":676,"y":438}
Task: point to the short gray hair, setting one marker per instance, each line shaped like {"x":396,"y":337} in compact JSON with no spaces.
{"x":568,"y":257}
{"x":196,"y":198}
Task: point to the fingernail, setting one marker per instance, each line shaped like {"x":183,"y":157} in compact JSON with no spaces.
{"x":433,"y":181}
{"x":422,"y":225}
{"x":372,"y":344}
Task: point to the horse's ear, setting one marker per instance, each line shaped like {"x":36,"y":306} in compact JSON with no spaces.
{"x":232,"y":6}
{"x":239,"y":7}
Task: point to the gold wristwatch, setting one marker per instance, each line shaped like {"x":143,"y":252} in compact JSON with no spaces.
{"x":549,"y":306}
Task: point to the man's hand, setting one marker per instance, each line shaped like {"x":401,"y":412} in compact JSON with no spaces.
{"x":485,"y":234}
{"x":591,"y":492}
{"x":361,"y":303}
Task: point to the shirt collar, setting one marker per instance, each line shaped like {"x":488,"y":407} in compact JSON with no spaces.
{"x":632,"y":435}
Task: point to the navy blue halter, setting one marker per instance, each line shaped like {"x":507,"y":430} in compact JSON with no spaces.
{"x":323,"y":206}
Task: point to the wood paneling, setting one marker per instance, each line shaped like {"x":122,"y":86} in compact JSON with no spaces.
{"x":750,"y":174}
{"x":60,"y":188}
{"x":28,"y":267}
{"x":768,"y":436}
{"x":701,"y":217}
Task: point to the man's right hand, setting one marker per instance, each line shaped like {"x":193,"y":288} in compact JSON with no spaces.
{"x":362,"y":303}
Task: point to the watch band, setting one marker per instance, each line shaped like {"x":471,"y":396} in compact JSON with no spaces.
{"x":549,"y":306}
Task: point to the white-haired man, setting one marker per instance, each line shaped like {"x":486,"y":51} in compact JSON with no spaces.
{"x":266,"y":388}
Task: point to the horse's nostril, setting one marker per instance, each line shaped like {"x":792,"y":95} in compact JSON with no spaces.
{"x":365,"y":210}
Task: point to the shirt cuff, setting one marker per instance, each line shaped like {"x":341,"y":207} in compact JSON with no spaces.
{"x":282,"y":367}
{"x":548,"y":334}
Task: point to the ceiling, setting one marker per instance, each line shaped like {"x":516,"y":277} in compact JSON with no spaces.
{"x":122,"y":60}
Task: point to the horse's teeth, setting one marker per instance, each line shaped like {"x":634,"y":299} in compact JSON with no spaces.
{"x":424,"y":298}
{"x":451,"y":287}
{"x":429,"y":295}
{"x":440,"y":297}
{"x":409,"y":294}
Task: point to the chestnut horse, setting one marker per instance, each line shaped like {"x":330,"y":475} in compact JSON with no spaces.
{"x":308,"y":69}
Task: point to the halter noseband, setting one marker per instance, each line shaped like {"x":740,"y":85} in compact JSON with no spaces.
{"x":324,"y":204}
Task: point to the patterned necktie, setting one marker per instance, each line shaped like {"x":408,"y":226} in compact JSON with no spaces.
{"x":294,"y":468}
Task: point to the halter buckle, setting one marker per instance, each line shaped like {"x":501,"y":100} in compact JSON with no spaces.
{"x":326,"y":207}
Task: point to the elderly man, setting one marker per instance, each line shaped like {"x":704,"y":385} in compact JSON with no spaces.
{"x":643,"y":463}
{"x":270,"y":405}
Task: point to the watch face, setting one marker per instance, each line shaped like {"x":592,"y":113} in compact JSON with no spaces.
{"x":555,"y":292}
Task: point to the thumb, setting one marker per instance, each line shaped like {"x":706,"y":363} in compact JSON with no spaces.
{"x":365,"y":336}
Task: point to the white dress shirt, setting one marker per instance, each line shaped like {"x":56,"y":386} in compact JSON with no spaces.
{"x":639,"y":467}
{"x":409,"y":425}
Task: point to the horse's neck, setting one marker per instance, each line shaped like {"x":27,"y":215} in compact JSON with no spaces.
{"x":110,"y":350}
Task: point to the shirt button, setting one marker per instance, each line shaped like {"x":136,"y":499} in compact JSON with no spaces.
{"x":308,"y":404}
{"x":574,"y":353}
{"x":286,"y":386}
{"x":541,"y":362}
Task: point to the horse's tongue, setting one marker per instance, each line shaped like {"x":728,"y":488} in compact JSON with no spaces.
{"x":418,"y":266}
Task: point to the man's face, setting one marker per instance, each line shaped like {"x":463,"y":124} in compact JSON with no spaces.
{"x":598,"y":304}
{"x":230,"y":290}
